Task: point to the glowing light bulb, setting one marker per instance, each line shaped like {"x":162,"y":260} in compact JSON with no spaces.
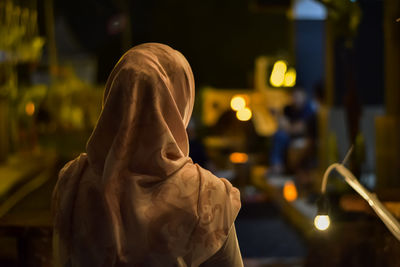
{"x":244,"y":114}
{"x":30,"y":108}
{"x":322,"y":222}
{"x":290,"y":78}
{"x":277,"y":77}
{"x":290,"y":191}
{"x":238,"y":103}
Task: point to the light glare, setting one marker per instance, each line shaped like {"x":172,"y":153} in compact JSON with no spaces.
{"x":322,"y":222}
{"x":30,"y":108}
{"x":244,"y":114}
{"x":238,"y":103}
{"x":290,"y":78}
{"x":238,"y":157}
{"x":278,"y":73}
{"x":290,"y":191}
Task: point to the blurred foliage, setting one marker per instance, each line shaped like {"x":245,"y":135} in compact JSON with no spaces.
{"x":30,"y":111}
{"x":72,"y":103}
{"x":69,"y":104}
{"x":31,"y":96}
{"x":19,"y":40}
{"x":60,"y":116}
{"x":8,"y":81}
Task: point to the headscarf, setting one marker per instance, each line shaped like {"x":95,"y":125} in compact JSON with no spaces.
{"x":136,"y":198}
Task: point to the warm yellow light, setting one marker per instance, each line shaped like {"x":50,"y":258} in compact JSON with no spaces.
{"x":277,"y":77}
{"x":237,"y":157}
{"x":289,"y":191}
{"x":290,"y":78}
{"x":322,"y":222}
{"x":238,"y":103}
{"x":30,"y":108}
{"x":244,"y":114}
{"x":280,"y":66}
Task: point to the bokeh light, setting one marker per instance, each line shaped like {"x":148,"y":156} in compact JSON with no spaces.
{"x":290,"y":78}
{"x":277,"y":77}
{"x":238,"y":103}
{"x":322,"y":222}
{"x":290,"y":191}
{"x":30,"y":108}
{"x":238,"y":157}
{"x":244,"y":114}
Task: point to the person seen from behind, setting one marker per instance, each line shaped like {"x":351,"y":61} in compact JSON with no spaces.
{"x":135,"y":198}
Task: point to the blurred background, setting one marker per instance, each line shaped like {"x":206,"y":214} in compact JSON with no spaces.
{"x":283,"y":89}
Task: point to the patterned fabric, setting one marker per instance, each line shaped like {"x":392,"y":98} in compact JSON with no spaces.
{"x":136,"y":198}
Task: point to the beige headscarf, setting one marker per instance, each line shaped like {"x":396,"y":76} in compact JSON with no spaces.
{"x":136,"y":198}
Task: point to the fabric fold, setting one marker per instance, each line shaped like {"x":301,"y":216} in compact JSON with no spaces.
{"x":136,"y":198}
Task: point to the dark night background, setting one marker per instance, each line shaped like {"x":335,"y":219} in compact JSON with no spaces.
{"x":221,"y":39}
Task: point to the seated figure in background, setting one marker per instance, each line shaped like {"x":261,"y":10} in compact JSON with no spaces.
{"x":296,"y":132}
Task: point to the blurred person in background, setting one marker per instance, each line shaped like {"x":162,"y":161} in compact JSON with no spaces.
{"x":136,"y":198}
{"x":296,"y":132}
